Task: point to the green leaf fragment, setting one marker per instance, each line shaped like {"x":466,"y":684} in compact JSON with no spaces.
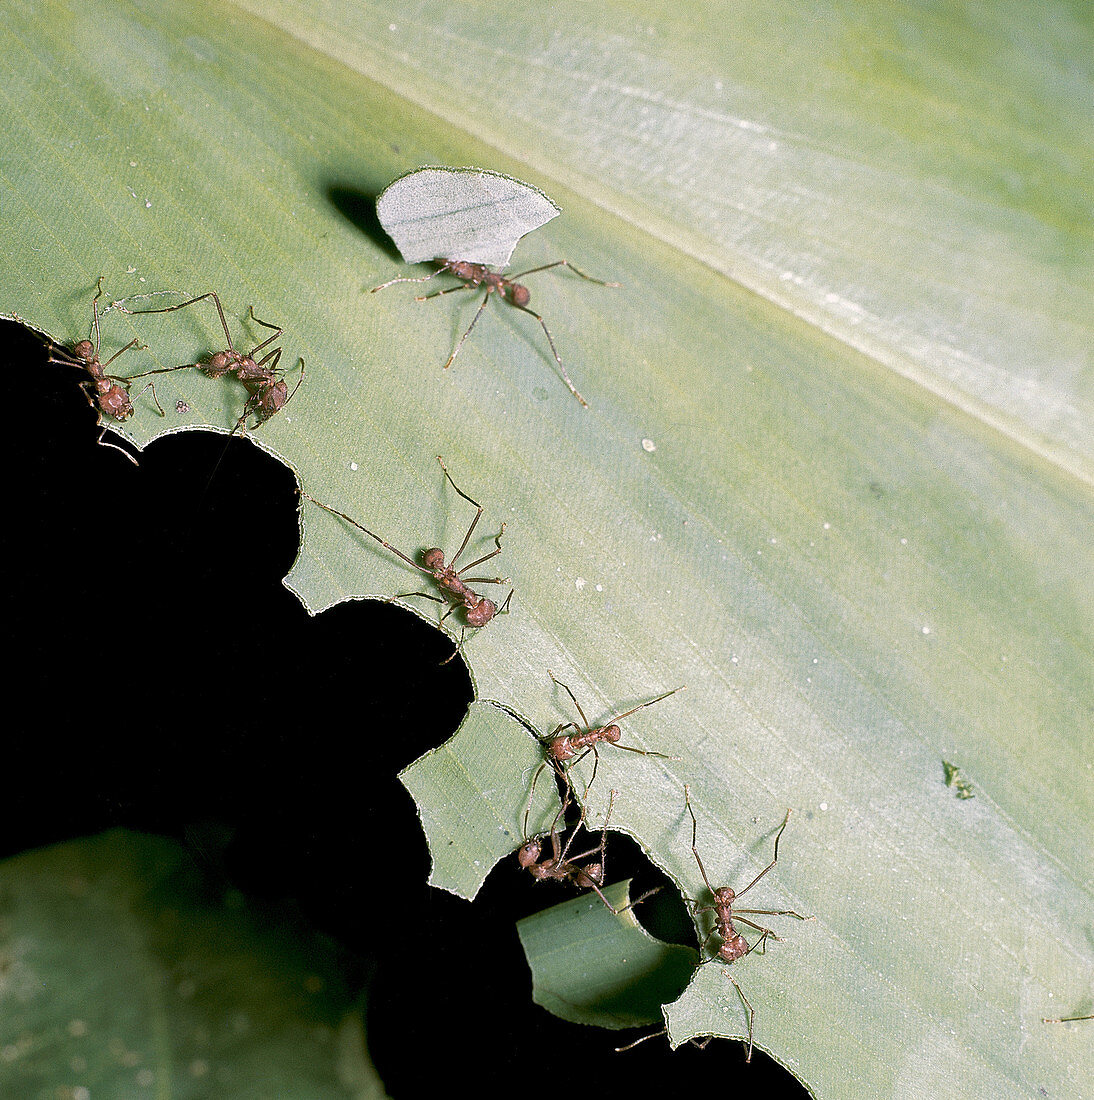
{"x":461,"y":214}
{"x":590,"y":966}
{"x":465,"y":795}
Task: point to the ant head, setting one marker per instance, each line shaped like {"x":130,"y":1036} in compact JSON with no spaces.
{"x":84,"y":350}
{"x":519,"y":294}
{"x":724,"y":897}
{"x":611,"y":733}
{"x":465,"y":269}
{"x":434,"y":558}
{"x":529,"y":852}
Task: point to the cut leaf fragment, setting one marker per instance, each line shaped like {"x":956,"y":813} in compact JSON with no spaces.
{"x":461,"y":214}
{"x":464,"y":792}
{"x":590,"y":966}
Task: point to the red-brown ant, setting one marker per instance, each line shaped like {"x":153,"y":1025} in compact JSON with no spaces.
{"x":564,"y":750}
{"x":560,"y":866}
{"x":268,"y":392}
{"x":107,"y":393}
{"x":477,"y":610}
{"x":507,"y":289}
{"x":734,"y":946}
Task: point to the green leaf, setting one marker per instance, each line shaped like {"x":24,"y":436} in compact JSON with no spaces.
{"x":836,"y":471}
{"x":120,"y":976}
{"x":593,"y":967}
{"x":464,"y":792}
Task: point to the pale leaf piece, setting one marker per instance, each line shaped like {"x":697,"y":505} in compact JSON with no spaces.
{"x":461,"y":214}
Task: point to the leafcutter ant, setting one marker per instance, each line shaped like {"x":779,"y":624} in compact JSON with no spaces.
{"x":107,"y":393}
{"x":473,"y":276}
{"x":477,"y":609}
{"x":734,"y":946}
{"x":564,"y":750}
{"x":268,"y":392}
{"x":561,"y":866}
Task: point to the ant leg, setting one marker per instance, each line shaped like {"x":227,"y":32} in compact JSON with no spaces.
{"x":485,"y":557}
{"x":771,"y":864}
{"x":531,"y":795}
{"x":748,"y":1007}
{"x":573,"y":698}
{"x":152,"y":386}
{"x":269,"y":340}
{"x":134,"y":343}
{"x":459,"y":644}
{"x":408,"y":279}
{"x":447,"y":290}
{"x":694,"y":845}
{"x":467,"y":331}
{"x":647,"y":703}
{"x":298,"y":383}
{"x":642,"y":1039}
{"x":182,"y":305}
{"x":471,"y":528}
{"x":371,"y":535}
{"x":554,"y":351}
{"x":114,"y":446}
{"x":560,"y":263}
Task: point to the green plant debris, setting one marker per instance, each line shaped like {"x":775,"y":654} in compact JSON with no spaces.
{"x":962,"y":788}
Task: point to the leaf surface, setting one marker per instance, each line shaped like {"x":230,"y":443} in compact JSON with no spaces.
{"x":835,"y":475}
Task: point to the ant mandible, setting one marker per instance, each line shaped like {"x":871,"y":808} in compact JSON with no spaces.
{"x":477,"y":609}
{"x":734,"y":946}
{"x":107,"y":393}
{"x":507,"y":288}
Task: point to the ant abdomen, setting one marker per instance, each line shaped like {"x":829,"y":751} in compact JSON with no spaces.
{"x":519,"y":295}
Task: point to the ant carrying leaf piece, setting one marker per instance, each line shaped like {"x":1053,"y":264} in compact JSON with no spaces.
{"x":107,"y":393}
{"x":561,"y":866}
{"x":267,"y":389}
{"x":734,"y":946}
{"x":477,"y":609}
{"x":468,"y":221}
{"x":563,"y":750}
